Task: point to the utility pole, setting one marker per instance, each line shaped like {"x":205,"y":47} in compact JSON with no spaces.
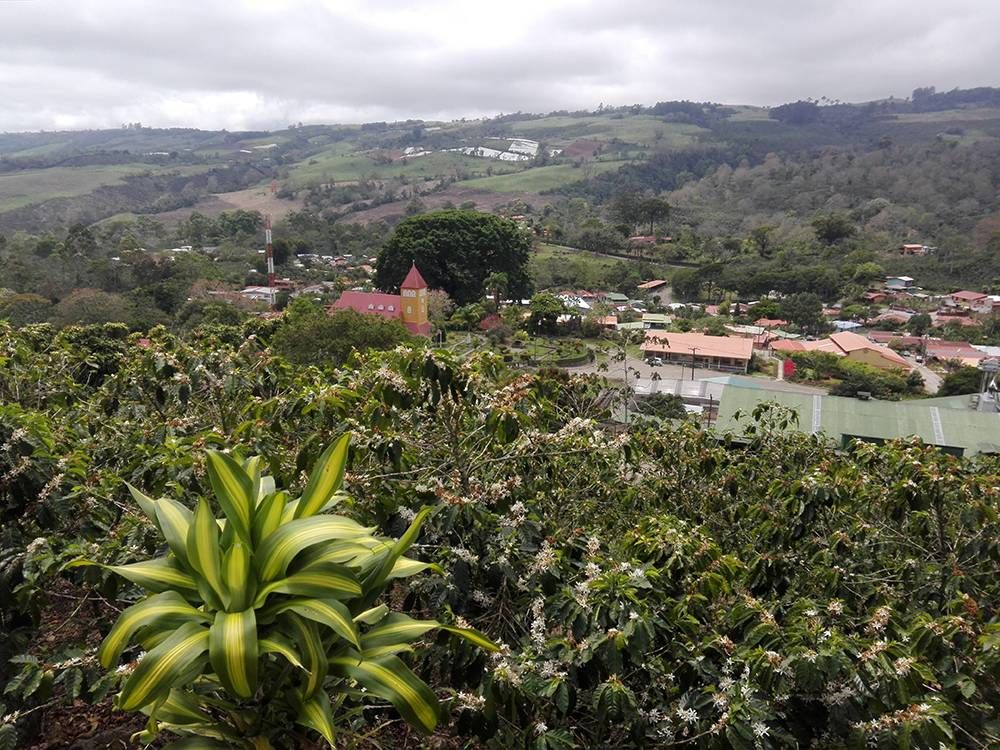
{"x":693,"y":350}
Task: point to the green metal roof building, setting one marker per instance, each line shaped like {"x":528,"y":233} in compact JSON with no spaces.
{"x":949,"y":423}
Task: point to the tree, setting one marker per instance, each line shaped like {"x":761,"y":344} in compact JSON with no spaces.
{"x":23,"y":309}
{"x":831,"y":228}
{"x":760,"y":239}
{"x":663,"y":405}
{"x":960,"y":382}
{"x":456,"y":251}
{"x":866,"y":273}
{"x":80,"y":242}
{"x":919,"y":324}
{"x":496,"y":284}
{"x":653,"y":210}
{"x":804,"y":310}
{"x":86,"y":306}
{"x":309,"y":335}
{"x":686,"y":284}
{"x":543,"y":312}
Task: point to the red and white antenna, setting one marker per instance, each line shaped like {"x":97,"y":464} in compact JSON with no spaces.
{"x":270,"y":257}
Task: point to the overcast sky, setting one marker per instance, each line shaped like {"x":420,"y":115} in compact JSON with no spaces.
{"x":230,"y":64}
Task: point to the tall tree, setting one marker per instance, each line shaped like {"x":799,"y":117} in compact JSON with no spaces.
{"x":456,"y":251}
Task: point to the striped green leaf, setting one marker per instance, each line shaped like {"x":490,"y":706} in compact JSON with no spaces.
{"x":278,"y":550}
{"x":371,"y":616}
{"x":158,"y":574}
{"x":233,"y":651}
{"x":233,"y":489}
{"x":396,"y":628}
{"x":399,"y":628}
{"x":164,"y":666}
{"x":180,"y":707}
{"x":238,"y":576}
{"x":379,"y":574}
{"x":306,"y":635}
{"x":392,"y":648}
{"x":175,"y":520}
{"x":472,"y":636}
{"x":316,"y":713}
{"x":388,"y":678}
{"x":145,"y":502}
{"x":406,"y":567}
{"x":327,"y":612}
{"x":336,"y":552}
{"x":165,"y":611}
{"x":325,"y":478}
{"x":278,"y":644}
{"x":267,"y":517}
{"x":203,"y":552}
{"x":326,"y":581}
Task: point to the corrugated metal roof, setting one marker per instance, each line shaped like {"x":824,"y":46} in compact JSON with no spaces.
{"x":943,"y":422}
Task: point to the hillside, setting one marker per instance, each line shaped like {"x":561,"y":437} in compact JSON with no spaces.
{"x":920,"y":169}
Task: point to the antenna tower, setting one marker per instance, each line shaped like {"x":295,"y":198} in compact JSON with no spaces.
{"x":270,"y":257}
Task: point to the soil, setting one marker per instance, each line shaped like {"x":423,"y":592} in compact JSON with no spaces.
{"x":484,"y":200}
{"x":583,"y":147}
{"x":257,"y":198}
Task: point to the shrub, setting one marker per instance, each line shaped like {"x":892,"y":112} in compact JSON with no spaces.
{"x":250,"y":620}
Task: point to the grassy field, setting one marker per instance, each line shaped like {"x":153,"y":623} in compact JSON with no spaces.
{"x":536,"y":179}
{"x":339,"y":163}
{"x":642,"y":129}
{"x":24,"y":188}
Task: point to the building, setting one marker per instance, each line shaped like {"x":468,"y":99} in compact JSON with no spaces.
{"x":409,"y":306}
{"x":656,"y":321}
{"x":908,"y":249}
{"x":965,"y":299}
{"x":850,"y":345}
{"x":950,"y":423}
{"x":657,"y":290}
{"x":725,"y":353}
{"x":899,"y":283}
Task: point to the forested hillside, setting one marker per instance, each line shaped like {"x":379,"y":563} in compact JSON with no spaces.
{"x":642,"y":587}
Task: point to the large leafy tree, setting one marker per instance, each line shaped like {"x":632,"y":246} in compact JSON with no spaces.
{"x":456,"y":251}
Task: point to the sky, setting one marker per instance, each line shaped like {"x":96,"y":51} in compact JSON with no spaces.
{"x":246,"y":64}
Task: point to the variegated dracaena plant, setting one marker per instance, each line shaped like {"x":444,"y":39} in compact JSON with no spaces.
{"x":253,"y":620}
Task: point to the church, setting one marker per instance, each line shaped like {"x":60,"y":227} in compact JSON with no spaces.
{"x":409,"y":306}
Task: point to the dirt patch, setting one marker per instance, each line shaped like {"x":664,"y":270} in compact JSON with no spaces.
{"x":484,"y":200}
{"x":252,"y":199}
{"x":583,"y":147}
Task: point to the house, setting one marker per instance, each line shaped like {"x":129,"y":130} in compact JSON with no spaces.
{"x":875,"y":297}
{"x":954,"y":351}
{"x":966,"y":300}
{"x":642,"y":240}
{"x":655,"y":321}
{"x":846,"y":325}
{"x":716,"y":352}
{"x":770,"y":323}
{"x":261,"y":293}
{"x":616,"y":298}
{"x":908,"y":249}
{"x":898,"y":283}
{"x":607,"y":322}
{"x":409,"y":306}
{"x":657,"y":290}
{"x":850,"y":345}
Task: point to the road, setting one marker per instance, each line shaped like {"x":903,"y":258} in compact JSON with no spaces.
{"x":932,"y":381}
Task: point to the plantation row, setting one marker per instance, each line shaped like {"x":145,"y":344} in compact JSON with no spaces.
{"x":483,"y":558}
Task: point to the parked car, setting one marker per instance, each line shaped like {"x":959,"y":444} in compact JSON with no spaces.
{"x":655,"y":362}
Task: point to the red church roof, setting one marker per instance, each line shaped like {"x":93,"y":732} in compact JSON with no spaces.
{"x":413,"y":279}
{"x":386,"y":305}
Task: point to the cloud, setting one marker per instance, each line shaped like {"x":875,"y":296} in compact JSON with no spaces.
{"x":220,"y":63}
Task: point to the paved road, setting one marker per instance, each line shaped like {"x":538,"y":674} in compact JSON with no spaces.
{"x":932,"y":381}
